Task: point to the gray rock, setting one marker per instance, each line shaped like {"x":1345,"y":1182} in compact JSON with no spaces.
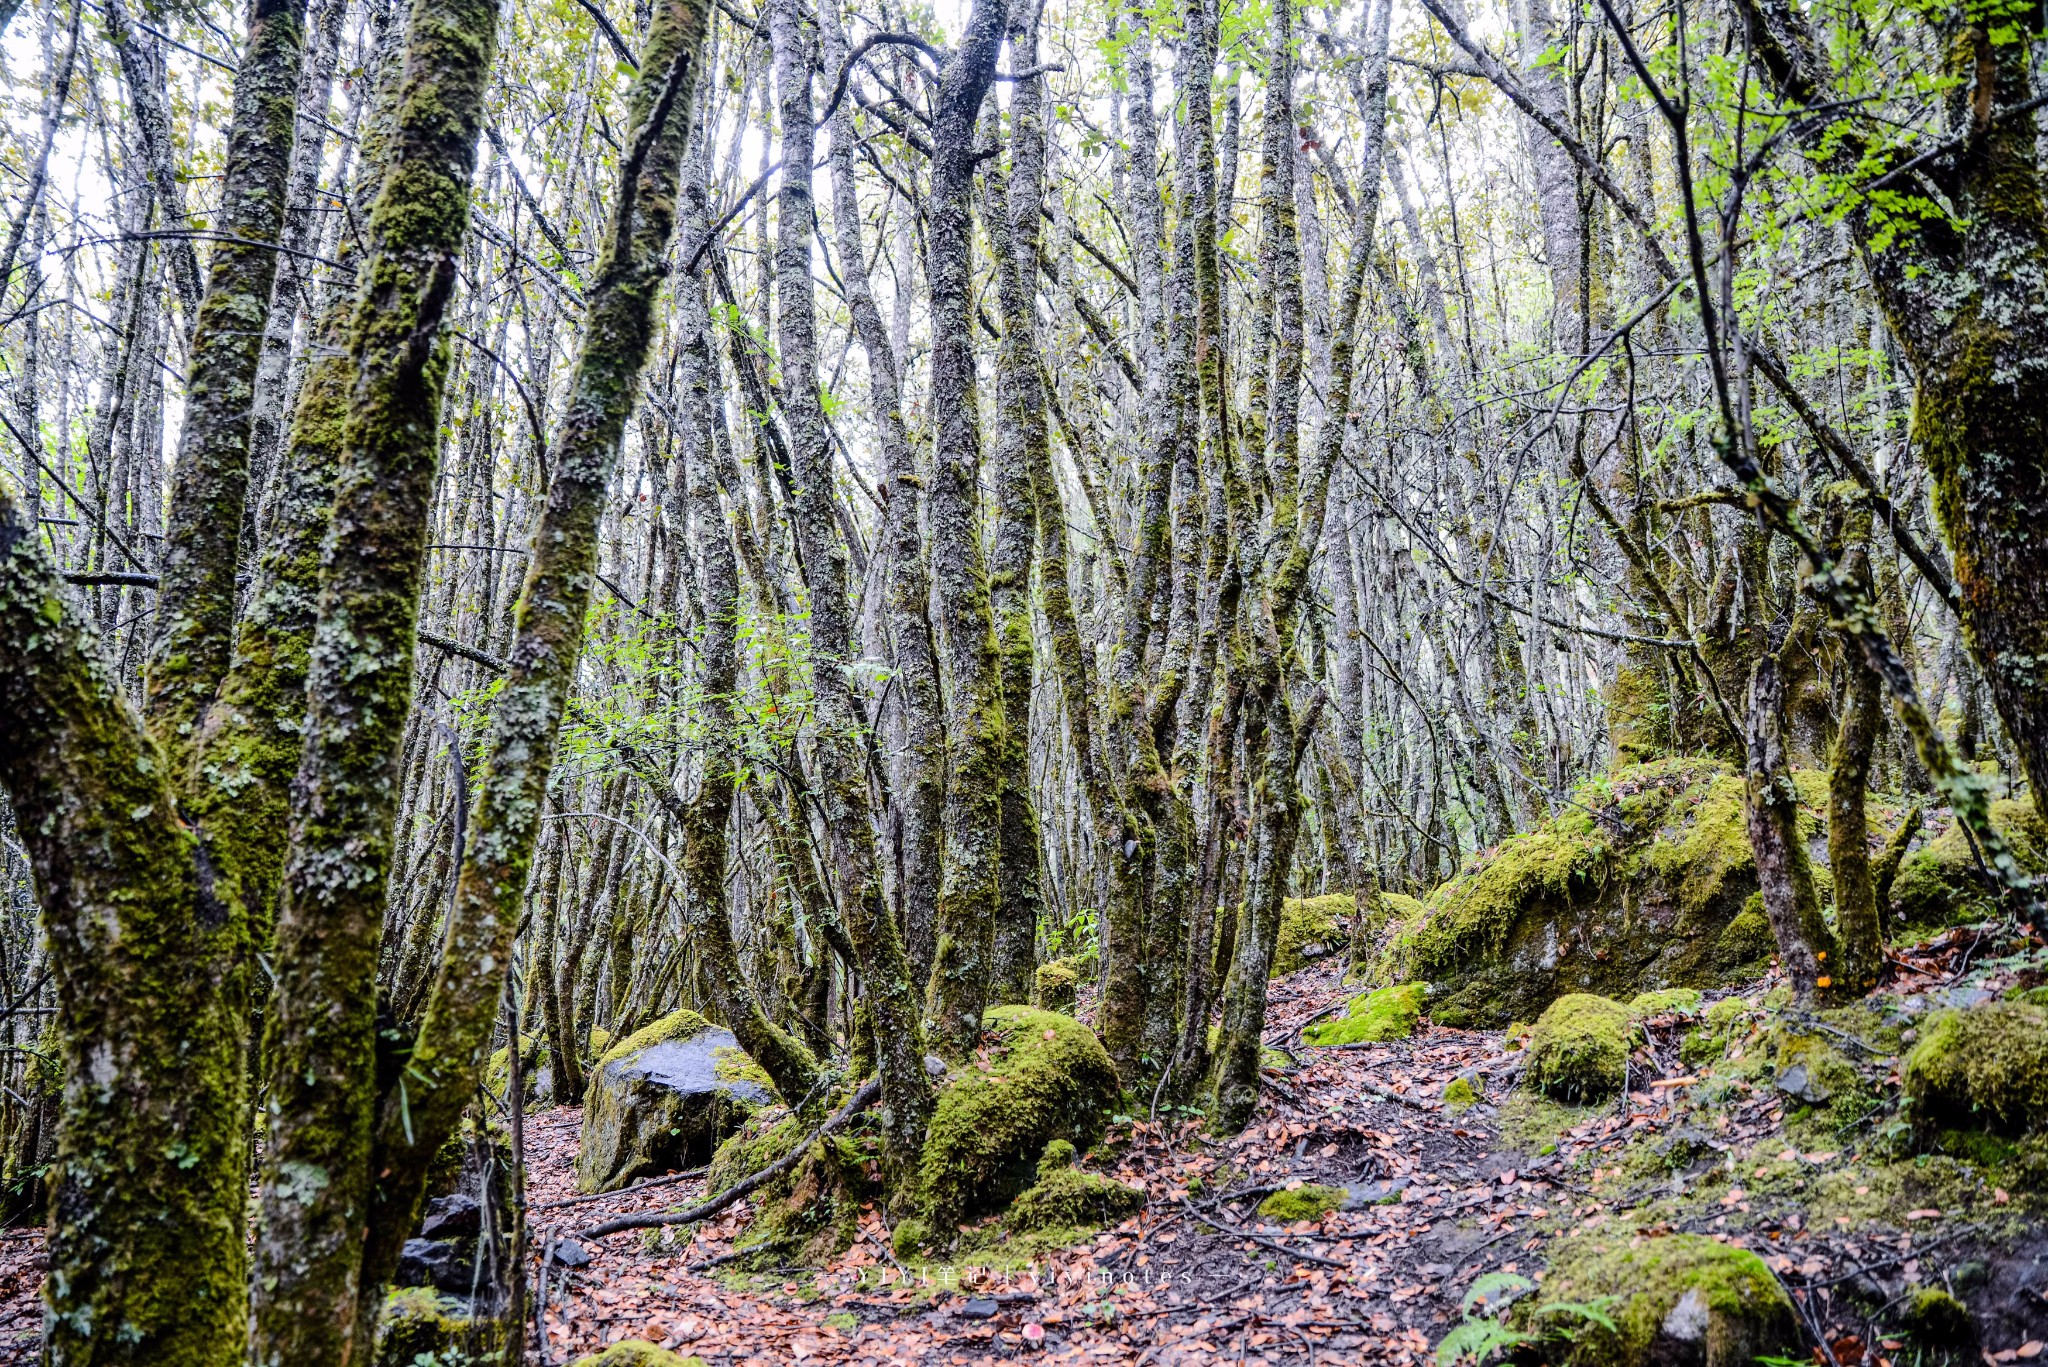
{"x":569,"y":1253}
{"x":441,"y":1263}
{"x":1799,"y":1083}
{"x":978,"y":1309}
{"x":664,"y":1107}
{"x":1687,"y":1321}
{"x":452,"y":1217}
{"x":1382,"y":1193}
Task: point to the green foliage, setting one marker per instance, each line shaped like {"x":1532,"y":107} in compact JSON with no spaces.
{"x":1389,"y":1013}
{"x":1579,"y":1048}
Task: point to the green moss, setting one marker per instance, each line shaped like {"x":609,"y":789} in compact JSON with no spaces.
{"x":498,"y":1073}
{"x":1939,"y":1319}
{"x":909,"y":1236}
{"x":1940,"y":885}
{"x":1059,"y":986}
{"x":1579,"y":1049}
{"x":1747,"y":940}
{"x":809,"y":1214}
{"x":677,"y":1025}
{"x":1669,"y":1001}
{"x":418,"y":1323}
{"x":636,"y":1353}
{"x":1374,"y":1017}
{"x":1058,"y":1154}
{"x":734,"y":1065}
{"x":1473,"y":913}
{"x":1048,"y":1077}
{"x":1986,"y":1067}
{"x":1070,"y":1199}
{"x":2029,"y":996}
{"x":1460,"y":1095}
{"x":1681,"y":1287}
{"x":1309,"y":1201}
{"x":1312,"y":928}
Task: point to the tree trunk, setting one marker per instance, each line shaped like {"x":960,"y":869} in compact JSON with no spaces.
{"x":1856,"y":914}
{"x":1782,"y":869}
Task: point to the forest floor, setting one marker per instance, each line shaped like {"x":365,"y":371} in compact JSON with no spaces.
{"x":1438,"y":1201}
{"x":1200,"y":1276}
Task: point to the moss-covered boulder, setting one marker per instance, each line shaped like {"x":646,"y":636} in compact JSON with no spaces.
{"x":416,"y":1323}
{"x":1748,"y":940}
{"x":1058,"y":986}
{"x":1668,"y":1001}
{"x":1312,"y":929}
{"x":1981,"y":1068}
{"x":1579,"y":1048}
{"x":1309,"y":1201}
{"x":636,"y":1353}
{"x":1677,"y":1301}
{"x":1940,"y":884}
{"x":1630,"y":889}
{"x":533,"y":1069}
{"x":1046,"y":1077}
{"x":1460,"y":1095}
{"x":1938,"y":1320}
{"x":1389,"y":1013}
{"x":1066,"y":1198}
{"x":662,"y":1098}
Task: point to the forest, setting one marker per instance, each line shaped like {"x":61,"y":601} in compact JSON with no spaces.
{"x":789,"y":680}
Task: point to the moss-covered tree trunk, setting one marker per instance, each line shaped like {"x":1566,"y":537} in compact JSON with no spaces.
{"x":1961,"y":292}
{"x":1783,"y":872}
{"x":1856,"y":912}
{"x":1021,"y":429}
{"x":843,"y":784}
{"x":440,"y":1077}
{"x":968,"y":886}
{"x":318,"y":1179}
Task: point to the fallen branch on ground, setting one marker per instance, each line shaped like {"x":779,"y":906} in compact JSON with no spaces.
{"x":867,"y":1094}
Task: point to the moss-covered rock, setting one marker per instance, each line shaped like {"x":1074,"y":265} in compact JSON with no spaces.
{"x":1059,"y":986}
{"x":1389,"y":1013}
{"x":1680,"y":1299}
{"x":1065,"y":1197}
{"x":662,"y":1098}
{"x":1631,"y":889}
{"x":1748,"y":939}
{"x":1579,"y":1048}
{"x":1939,"y":1320}
{"x":1985,"y":1067}
{"x":1311,"y":929}
{"x":533,"y":1068}
{"x":1460,"y":1095}
{"x":1309,"y":1201}
{"x":636,"y":1353}
{"x":1046,"y":1077}
{"x":417,"y":1324}
{"x":1940,"y":884}
{"x":1669,"y":1001}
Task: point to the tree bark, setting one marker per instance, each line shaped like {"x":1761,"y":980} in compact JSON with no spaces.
{"x":1856,"y":911}
{"x":1782,"y":868}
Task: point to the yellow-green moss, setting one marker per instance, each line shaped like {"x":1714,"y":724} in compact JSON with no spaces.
{"x":1579,"y":1048}
{"x":1059,"y":986}
{"x":1312,"y":921}
{"x":1668,"y":1001}
{"x":809,"y":1214}
{"x":735,"y":1065}
{"x":1472,"y":914}
{"x":1748,"y":939}
{"x":1048,"y":1077}
{"x":677,"y":1025}
{"x":1068,"y":1198}
{"x":1939,"y":884}
{"x":1373,"y":1017}
{"x":418,"y":1322}
{"x":1309,"y":1201}
{"x":1460,"y":1095}
{"x":1723,"y":1297}
{"x":1986,"y":1067}
{"x":1939,"y":1320}
{"x":636,"y":1353}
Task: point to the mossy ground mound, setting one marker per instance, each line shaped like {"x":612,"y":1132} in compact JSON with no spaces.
{"x":1982,"y":1068}
{"x":1639,"y":886}
{"x":1312,"y":929}
{"x":1579,"y":1048}
{"x":1390,"y":1013}
{"x":1682,"y":1298}
{"x":636,"y":1353}
{"x":1460,"y":1095}
{"x":418,"y":1322}
{"x":809,"y":1214}
{"x":1940,"y":884}
{"x":1058,"y":986}
{"x":662,"y":1099}
{"x":1066,"y":1198}
{"x":1047,"y":1077}
{"x":1309,"y":1201}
